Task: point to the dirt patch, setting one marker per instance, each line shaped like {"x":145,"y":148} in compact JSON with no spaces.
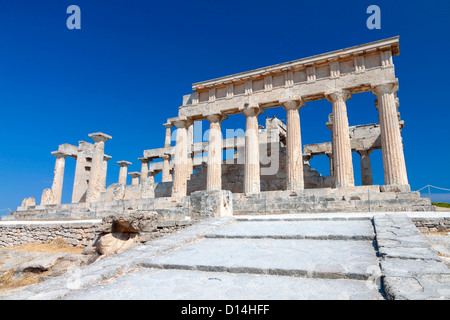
{"x":9,"y":279}
{"x":58,"y":245}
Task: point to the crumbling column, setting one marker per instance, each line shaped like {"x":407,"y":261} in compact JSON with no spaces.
{"x":366,"y":168}
{"x":252,"y":179}
{"x":58,"y":177}
{"x":104,"y":171}
{"x":166,"y":175}
{"x":342,"y":152}
{"x":391,"y":140}
{"x":144,"y":167}
{"x":214,"y":169}
{"x":123,"y":171}
{"x":294,"y":158}
{"x":179,"y":186}
{"x":135,"y":178}
{"x":95,"y":183}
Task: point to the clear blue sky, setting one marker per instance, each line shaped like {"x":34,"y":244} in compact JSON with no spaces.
{"x":125,"y":72}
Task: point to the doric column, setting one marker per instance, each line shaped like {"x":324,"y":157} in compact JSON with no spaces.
{"x":95,"y":184}
{"x":214,"y":169}
{"x":190,"y":158}
{"x":167,"y":140}
{"x":179,"y":186}
{"x":294,"y":158}
{"x":58,"y":177}
{"x":166,"y":175}
{"x":342,"y":152}
{"x":135,"y":178}
{"x":366,"y":168}
{"x":330,"y":159}
{"x":104,"y":171}
{"x":151,"y":175}
{"x":252,"y":179}
{"x":391,"y":139}
{"x":123,"y":171}
{"x":144,"y":167}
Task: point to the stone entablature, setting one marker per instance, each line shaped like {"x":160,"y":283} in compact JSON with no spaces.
{"x":356,"y":69}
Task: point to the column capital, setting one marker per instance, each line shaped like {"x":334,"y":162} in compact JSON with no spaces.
{"x":124,"y":163}
{"x":182,"y":122}
{"x":216,"y":117}
{"x":251,"y":110}
{"x":293,"y":104}
{"x":99,"y":136}
{"x":364,"y":152}
{"x":135,"y":174}
{"x":145,"y":160}
{"x":338,"y":95}
{"x":59,"y":154}
{"x":387,"y":87}
{"x":106,"y":158}
{"x":168,"y":125}
{"x":166,"y":156}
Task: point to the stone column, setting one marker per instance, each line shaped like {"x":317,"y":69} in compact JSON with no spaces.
{"x":366,"y":168}
{"x":330,"y":160}
{"x":123,"y":171}
{"x":135,"y":178}
{"x":95,"y":184}
{"x":167,"y":140}
{"x":166,"y":175}
{"x":104,"y":171}
{"x":179,"y":186}
{"x":144,"y":167}
{"x":391,"y":140}
{"x":58,"y":177}
{"x":294,"y":158}
{"x":190,"y":158}
{"x":214,"y":169}
{"x":151,"y":175}
{"x":252,"y":179}
{"x":342,"y":152}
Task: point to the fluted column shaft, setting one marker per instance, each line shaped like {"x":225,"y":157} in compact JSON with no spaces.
{"x":95,"y":179}
{"x":294,"y":157}
{"x":179,"y":186}
{"x":123,"y":173}
{"x":104,"y":172}
{"x":366,"y":168}
{"x":342,"y":153}
{"x":391,"y":140}
{"x":252,"y":179}
{"x":58,"y":177}
{"x":214,"y":169}
{"x":166,"y":176}
{"x":144,"y":168}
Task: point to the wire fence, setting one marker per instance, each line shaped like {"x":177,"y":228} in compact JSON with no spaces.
{"x":429,"y":189}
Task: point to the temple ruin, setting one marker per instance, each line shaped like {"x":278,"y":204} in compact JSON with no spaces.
{"x":270,"y":169}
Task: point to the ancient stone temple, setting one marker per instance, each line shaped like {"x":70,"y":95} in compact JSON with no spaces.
{"x":270,"y":170}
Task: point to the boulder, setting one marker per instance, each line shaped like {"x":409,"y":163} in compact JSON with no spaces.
{"x":113,"y":243}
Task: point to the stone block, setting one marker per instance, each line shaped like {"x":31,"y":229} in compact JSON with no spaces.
{"x":214,"y":203}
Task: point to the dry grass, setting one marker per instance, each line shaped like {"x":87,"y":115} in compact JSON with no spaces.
{"x":437,"y":233}
{"x":58,"y":245}
{"x":7,"y":282}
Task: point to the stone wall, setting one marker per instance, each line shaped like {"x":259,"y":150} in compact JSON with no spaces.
{"x":74,"y":233}
{"x":432,"y":224}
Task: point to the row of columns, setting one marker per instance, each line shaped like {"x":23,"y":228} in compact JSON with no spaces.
{"x":342,"y":166}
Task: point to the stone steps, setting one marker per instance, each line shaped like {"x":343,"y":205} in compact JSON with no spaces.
{"x":306,"y":249}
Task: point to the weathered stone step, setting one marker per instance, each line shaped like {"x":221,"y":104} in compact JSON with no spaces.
{"x":299,"y":229}
{"x":300,"y":258}
{"x":156,"y":284}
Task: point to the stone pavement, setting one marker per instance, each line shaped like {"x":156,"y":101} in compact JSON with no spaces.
{"x":317,"y":256}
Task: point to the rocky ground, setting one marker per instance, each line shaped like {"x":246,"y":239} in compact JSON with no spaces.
{"x":330,"y":256}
